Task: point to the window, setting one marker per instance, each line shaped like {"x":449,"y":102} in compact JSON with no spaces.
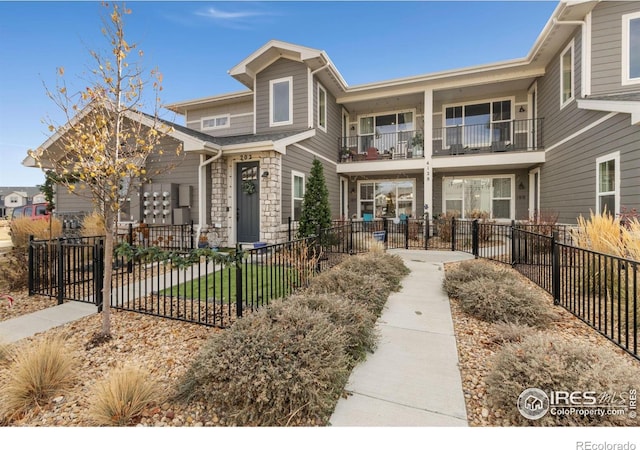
{"x":213,"y":123}
{"x":608,"y":183}
{"x":386,"y":131}
{"x":281,"y":101}
{"x":467,"y":195}
{"x":298,"y":194}
{"x":387,"y":198}
{"x":566,"y":75}
{"x":322,"y":108}
{"x":478,"y":124}
{"x":631,"y":48}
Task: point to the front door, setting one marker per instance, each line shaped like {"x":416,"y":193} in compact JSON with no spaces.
{"x":248,"y":202}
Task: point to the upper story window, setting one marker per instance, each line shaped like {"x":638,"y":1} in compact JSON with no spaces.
{"x":566,"y":75}
{"x":631,"y":48}
{"x":215,"y":122}
{"x":298,"y":194}
{"x":281,"y":101}
{"x":608,"y":183}
{"x":478,"y":124}
{"x":322,"y":108}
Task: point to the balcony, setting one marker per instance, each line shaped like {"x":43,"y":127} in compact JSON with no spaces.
{"x":507,"y":136}
{"x":381,"y":146}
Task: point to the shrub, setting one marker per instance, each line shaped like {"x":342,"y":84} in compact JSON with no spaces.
{"x":511,"y":332}
{"x":5,"y":352}
{"x":365,"y":289}
{"x":14,"y":270}
{"x":93,"y":225}
{"x":23,"y":227}
{"x":506,"y":300}
{"x":390,"y":268}
{"x":281,"y":365}
{"x":485,"y":229}
{"x":551,"y":364}
{"x":36,"y":374}
{"x":123,"y":396}
{"x":467,"y":271}
{"x":444,"y":227}
{"x":358,"y":322}
{"x":302,"y":261}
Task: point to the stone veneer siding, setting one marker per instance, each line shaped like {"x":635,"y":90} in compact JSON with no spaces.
{"x":270,"y":197}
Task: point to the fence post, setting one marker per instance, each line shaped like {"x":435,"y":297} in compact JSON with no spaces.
{"x":555,"y":268}
{"x":350,"y":242}
{"x":318,"y":247}
{"x":31,"y":265}
{"x":385,"y":228}
{"x":130,"y":261}
{"x":238,"y":264}
{"x":98,"y":273}
{"x":453,"y":234}
{"x":61,"y":289}
{"x":405,"y":223}
{"x":513,"y":242}
{"x":426,"y":231}
{"x":289,"y":229}
{"x":475,"y":238}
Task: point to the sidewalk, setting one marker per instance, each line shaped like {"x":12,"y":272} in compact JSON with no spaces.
{"x":412,"y":379}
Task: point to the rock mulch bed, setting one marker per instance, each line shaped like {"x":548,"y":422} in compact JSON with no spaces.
{"x":22,"y":304}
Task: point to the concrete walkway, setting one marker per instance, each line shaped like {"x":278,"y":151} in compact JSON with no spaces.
{"x":413,"y":378}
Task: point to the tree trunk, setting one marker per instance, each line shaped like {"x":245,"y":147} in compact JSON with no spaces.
{"x":111,"y":230}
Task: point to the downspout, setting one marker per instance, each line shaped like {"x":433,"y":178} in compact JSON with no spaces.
{"x":202,"y":188}
{"x":310,"y":88}
{"x":585,"y":79}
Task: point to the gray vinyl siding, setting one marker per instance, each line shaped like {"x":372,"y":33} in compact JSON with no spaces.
{"x":521,"y":195}
{"x":300,"y":160}
{"x":282,"y":68}
{"x":327,"y":143}
{"x":241,"y":118}
{"x":568,"y":178}
{"x":67,"y":202}
{"x":606,"y":47}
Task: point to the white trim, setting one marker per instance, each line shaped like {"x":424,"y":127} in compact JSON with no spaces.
{"x":585,"y":85}
{"x":294,"y":174}
{"x":344,"y":197}
{"x":382,"y":180}
{"x":569,"y":47}
{"x":512,"y":205}
{"x":326,"y":107}
{"x":385,"y":113}
{"x":618,"y":106}
{"x":289,"y":80}
{"x":309,"y":98}
{"x":615,"y":156}
{"x":626,"y":21}
{"x":255,"y":113}
{"x":215,"y":119}
{"x":534,"y":195}
{"x":581,"y":131}
{"x":308,"y":150}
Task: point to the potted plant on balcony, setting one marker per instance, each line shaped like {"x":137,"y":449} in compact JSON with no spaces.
{"x":345,"y":154}
{"x":417,"y":143}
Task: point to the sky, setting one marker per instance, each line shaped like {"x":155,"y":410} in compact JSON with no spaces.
{"x":194,"y":44}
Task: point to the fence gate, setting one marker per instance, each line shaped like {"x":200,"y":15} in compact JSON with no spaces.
{"x":67,"y":269}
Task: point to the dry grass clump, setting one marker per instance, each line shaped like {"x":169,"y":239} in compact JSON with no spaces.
{"x":605,"y":233}
{"x":93,"y":225}
{"x":24,"y":227}
{"x":5,"y":352}
{"x":390,"y":268}
{"x":36,"y":374}
{"x":552,"y":364}
{"x":122,"y":397}
{"x":282,"y":365}
{"x":471,"y":270}
{"x":511,"y":332}
{"x":506,"y":300}
{"x":14,"y":270}
{"x":358,"y":322}
{"x":364,"y":289}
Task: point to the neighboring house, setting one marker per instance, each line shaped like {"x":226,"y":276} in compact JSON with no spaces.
{"x":556,"y":131}
{"x":15,"y":196}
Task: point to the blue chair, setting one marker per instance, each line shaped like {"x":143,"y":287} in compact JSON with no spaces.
{"x":367,"y":218}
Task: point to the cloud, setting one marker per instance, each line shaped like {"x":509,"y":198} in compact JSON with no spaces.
{"x":213,"y":13}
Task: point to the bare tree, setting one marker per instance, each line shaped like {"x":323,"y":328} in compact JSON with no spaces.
{"x":106,"y":141}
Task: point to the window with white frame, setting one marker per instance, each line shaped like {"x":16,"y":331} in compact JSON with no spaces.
{"x":215,"y":122}
{"x":608,"y":183}
{"x":478,"y":124}
{"x":297,"y":194}
{"x":386,"y":131}
{"x":386,"y":198}
{"x":322,"y":108}
{"x":281,"y":101}
{"x":631,"y":48}
{"x":566,"y":75}
{"x":466,"y":196}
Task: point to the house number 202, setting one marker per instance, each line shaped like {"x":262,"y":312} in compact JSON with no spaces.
{"x":245,"y":157}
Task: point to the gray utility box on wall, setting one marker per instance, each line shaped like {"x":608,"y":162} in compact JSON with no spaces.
{"x":184,"y":195}
{"x":181,"y":216}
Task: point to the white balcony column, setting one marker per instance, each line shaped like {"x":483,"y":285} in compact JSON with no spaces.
{"x":428,"y":151}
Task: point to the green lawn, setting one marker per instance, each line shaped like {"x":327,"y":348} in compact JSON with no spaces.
{"x":259,"y":282}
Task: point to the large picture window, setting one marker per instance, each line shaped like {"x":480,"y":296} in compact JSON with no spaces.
{"x":566,"y":75}
{"x":631,"y":48}
{"x":478,"y":124}
{"x":466,"y":196}
{"x":386,"y":131}
{"x":281,"y":101}
{"x":391,"y":198}
{"x":608,"y":183}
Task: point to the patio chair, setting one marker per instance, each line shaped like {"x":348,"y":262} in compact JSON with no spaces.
{"x":367,"y":219}
{"x":372,"y":153}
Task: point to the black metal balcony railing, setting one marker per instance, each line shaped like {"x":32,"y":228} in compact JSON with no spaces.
{"x":511,"y":136}
{"x":399,"y":145}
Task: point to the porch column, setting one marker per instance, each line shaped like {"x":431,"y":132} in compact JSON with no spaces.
{"x":428,"y":151}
